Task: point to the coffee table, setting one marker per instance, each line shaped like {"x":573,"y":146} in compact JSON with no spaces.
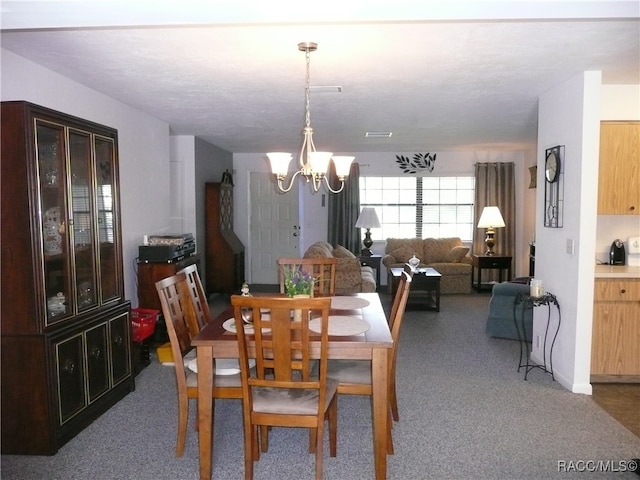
{"x":425,"y":281}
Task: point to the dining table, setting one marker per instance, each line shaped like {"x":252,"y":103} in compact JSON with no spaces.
{"x":374,"y":344}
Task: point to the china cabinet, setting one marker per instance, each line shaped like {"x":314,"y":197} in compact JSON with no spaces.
{"x":619,"y":173}
{"x":66,"y":348}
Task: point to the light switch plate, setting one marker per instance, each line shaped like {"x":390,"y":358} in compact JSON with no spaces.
{"x":571,"y":244}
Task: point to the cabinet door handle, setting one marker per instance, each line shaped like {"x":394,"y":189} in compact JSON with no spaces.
{"x":117,"y":340}
{"x":69,"y":366}
{"x":623,"y":291}
{"x":96,"y":352}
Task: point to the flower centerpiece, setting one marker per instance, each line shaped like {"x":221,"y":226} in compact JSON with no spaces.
{"x":297,"y":281}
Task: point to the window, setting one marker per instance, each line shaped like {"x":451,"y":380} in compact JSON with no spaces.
{"x":420,"y":207}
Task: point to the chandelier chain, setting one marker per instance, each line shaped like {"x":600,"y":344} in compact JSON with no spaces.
{"x":307,"y":94}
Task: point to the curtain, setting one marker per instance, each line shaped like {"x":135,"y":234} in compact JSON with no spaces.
{"x":495,"y":185}
{"x":344,"y":208}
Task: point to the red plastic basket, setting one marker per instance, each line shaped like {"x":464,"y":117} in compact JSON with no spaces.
{"x":143,"y":323}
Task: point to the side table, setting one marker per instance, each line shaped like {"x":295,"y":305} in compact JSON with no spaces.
{"x":480,"y":262}
{"x":372,"y":261}
{"x":527,"y":301}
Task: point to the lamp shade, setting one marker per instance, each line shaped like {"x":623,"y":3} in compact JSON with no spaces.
{"x":320,"y":161}
{"x":368,"y":218}
{"x":491,"y":218}
{"x":343,"y":165}
{"x":279,"y":162}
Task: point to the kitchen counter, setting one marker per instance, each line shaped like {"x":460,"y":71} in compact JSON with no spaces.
{"x":617,"y":271}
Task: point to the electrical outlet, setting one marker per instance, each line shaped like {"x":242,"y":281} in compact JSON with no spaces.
{"x":571,"y":244}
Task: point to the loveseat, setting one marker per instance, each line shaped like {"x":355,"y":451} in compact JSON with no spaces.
{"x":351,"y":277}
{"x":447,"y":255}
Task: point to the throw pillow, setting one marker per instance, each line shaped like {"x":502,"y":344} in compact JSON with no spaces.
{"x":342,"y":252}
{"x":456,"y":254}
{"x":402,"y":254}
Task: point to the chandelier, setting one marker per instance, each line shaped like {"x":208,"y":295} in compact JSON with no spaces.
{"x":313,"y":165}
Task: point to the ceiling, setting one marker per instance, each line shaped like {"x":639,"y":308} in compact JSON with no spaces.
{"x":440,"y":76}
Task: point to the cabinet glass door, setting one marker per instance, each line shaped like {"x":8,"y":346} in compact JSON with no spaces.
{"x":107,"y":234}
{"x":53,"y":216}
{"x":82,"y":225}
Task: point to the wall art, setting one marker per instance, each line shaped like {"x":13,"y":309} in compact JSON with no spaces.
{"x":420,"y":162}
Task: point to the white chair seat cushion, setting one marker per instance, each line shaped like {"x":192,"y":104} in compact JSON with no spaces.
{"x":350,"y":371}
{"x":220,"y":380}
{"x":291,"y":401}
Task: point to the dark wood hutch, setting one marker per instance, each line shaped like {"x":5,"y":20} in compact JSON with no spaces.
{"x":65,"y":331}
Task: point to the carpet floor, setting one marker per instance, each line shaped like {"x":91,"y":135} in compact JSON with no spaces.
{"x":465,"y":413}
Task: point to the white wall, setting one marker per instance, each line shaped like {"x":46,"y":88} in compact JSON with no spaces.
{"x":569,"y":115}
{"x":143,"y":144}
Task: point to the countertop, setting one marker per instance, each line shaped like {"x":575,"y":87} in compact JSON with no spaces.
{"x":617,"y":271}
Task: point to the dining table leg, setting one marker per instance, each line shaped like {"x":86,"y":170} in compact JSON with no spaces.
{"x":205,"y":409}
{"x":380,"y":380}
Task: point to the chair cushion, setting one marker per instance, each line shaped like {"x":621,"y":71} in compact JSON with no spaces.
{"x":291,"y":401}
{"x":220,"y":380}
{"x":350,"y":371}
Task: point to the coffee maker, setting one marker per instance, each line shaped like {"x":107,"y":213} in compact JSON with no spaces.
{"x":617,"y":254}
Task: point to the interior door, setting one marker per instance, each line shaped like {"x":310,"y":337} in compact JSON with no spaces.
{"x":274,"y":227}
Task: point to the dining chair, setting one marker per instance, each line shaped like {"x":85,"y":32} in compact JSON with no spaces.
{"x":198,"y":299}
{"x":324,"y":269}
{"x":355,"y":377}
{"x":179,"y":315}
{"x":288,"y":396}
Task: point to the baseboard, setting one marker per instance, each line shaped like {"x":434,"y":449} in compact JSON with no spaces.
{"x":582,"y":388}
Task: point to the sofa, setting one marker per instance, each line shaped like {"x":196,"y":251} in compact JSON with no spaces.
{"x":500,"y":321}
{"x":351,"y":277}
{"x":447,"y":255}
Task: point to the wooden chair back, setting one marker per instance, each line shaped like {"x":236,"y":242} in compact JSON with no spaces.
{"x":324,"y":269}
{"x":407,"y":275}
{"x":202,"y":313}
{"x":179,"y":314}
{"x":398,"y":309}
{"x":283,"y":364}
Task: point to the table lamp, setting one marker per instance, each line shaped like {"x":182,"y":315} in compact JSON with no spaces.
{"x":367,"y":219}
{"x":491,"y":218}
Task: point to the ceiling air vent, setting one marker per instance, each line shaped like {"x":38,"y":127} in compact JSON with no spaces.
{"x":325,"y":88}
{"x":378,"y":134}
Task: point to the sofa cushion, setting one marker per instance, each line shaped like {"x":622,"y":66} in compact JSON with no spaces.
{"x":449,"y":268}
{"x":319,"y":250}
{"x":342,"y":252}
{"x":436,"y":249}
{"x":348,"y":264}
{"x":456,"y":254}
{"x":402,"y":254}
{"x":413,"y":244}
